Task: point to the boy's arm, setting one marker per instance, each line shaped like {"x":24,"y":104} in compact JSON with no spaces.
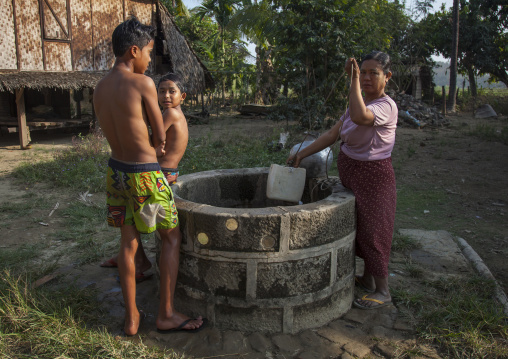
{"x":149,"y":96}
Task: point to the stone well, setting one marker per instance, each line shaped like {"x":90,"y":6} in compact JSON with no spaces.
{"x":253,"y":264}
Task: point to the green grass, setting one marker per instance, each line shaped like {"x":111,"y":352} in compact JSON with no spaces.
{"x":82,"y":166}
{"x":235,"y":151}
{"x":59,"y":324}
{"x":413,"y":200}
{"x":490,"y":133}
{"x":403,"y":243}
{"x":86,"y":226}
{"x":461,"y":316}
{"x":16,"y":259}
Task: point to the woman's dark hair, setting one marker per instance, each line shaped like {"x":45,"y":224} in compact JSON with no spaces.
{"x":171,"y":76}
{"x":129,"y":33}
{"x":382,"y":58}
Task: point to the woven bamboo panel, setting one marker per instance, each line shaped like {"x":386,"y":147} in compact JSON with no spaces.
{"x":58,"y":56}
{"x":142,"y":9}
{"x":52,"y":29}
{"x":82,"y":47}
{"x":29,"y":34}
{"x":8,"y":60}
{"x":106,"y":17}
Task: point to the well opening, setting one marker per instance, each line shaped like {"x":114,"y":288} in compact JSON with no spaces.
{"x":240,"y":190}
{"x":255,"y":264}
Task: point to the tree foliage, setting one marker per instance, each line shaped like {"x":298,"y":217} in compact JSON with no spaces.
{"x":483,"y":38}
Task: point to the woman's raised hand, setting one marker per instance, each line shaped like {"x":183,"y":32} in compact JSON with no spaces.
{"x":352,"y":67}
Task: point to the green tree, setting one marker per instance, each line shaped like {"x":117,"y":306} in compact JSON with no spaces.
{"x":221,"y":11}
{"x":312,"y":40}
{"x":483,"y":39}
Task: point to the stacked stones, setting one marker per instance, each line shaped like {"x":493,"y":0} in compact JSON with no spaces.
{"x":259,"y":265}
{"x":415,"y":113}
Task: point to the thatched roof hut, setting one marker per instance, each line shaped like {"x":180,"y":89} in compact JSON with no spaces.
{"x":66,"y":45}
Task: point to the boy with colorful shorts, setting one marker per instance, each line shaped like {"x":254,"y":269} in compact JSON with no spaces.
{"x":139,"y":197}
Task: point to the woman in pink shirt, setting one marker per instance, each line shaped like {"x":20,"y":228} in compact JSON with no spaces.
{"x":367,"y":131}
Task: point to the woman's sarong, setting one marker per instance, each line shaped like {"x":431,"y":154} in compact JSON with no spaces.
{"x":373,"y":184}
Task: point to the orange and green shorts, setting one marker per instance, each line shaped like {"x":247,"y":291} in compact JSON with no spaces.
{"x":138,"y":194}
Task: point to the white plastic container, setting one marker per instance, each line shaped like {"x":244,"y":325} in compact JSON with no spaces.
{"x":285,"y":183}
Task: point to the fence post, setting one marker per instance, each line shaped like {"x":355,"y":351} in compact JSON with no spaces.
{"x":444,"y":99}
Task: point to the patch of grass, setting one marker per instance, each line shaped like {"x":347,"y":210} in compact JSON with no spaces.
{"x":9,"y":210}
{"x":404,"y":297}
{"x":462,"y":317}
{"x":402,"y":243}
{"x":414,"y":270}
{"x":18,"y":258}
{"x":86,"y":226}
{"x":41,"y":324}
{"x":82,"y":166}
{"x":235,"y":151}
{"x":410,"y":151}
{"x":490,"y":133}
{"x":413,"y":200}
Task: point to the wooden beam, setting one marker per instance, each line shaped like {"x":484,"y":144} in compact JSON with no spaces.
{"x":24,"y":133}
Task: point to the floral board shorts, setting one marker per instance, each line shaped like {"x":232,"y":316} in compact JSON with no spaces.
{"x":139,"y":194}
{"x":171,"y":174}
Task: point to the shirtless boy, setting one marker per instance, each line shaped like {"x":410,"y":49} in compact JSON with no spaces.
{"x":171,"y":93}
{"x":139,"y":198}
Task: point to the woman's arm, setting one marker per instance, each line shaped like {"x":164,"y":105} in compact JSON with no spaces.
{"x":359,"y":113}
{"x":326,"y":139}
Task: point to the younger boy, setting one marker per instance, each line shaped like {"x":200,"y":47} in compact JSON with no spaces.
{"x":171,"y":93}
{"x":139,"y":199}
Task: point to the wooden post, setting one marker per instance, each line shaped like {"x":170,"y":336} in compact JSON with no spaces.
{"x":444,"y":99}
{"x":24,"y":133}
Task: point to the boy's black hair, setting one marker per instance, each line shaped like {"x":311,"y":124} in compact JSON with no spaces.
{"x":382,"y":58}
{"x":171,"y":76}
{"x":129,"y":33}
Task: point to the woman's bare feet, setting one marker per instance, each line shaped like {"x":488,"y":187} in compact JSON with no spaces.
{"x":366,"y":285}
{"x":372,"y":301}
{"x":176,"y":321}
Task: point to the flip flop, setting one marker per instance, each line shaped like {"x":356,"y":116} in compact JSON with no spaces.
{"x":110,"y":263}
{"x":140,"y":277}
{"x":359,"y":284}
{"x":181,"y":329}
{"x":379,"y":302}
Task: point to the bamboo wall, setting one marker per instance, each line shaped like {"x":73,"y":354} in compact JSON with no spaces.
{"x":64,"y":35}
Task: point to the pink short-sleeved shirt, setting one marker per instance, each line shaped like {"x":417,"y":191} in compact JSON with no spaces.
{"x":371,"y":143}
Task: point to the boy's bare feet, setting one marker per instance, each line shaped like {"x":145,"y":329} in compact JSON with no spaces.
{"x":176,"y":321}
{"x":141,"y":266}
{"x":131,"y":325}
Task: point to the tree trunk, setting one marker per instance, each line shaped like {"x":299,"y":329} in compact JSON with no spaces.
{"x":452,"y":102}
{"x":257,"y":90}
{"x":472,"y":81}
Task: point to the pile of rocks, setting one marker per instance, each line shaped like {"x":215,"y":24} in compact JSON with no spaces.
{"x":415,"y":113}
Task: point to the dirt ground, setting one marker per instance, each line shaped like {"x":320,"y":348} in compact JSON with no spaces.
{"x":458,"y":184}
